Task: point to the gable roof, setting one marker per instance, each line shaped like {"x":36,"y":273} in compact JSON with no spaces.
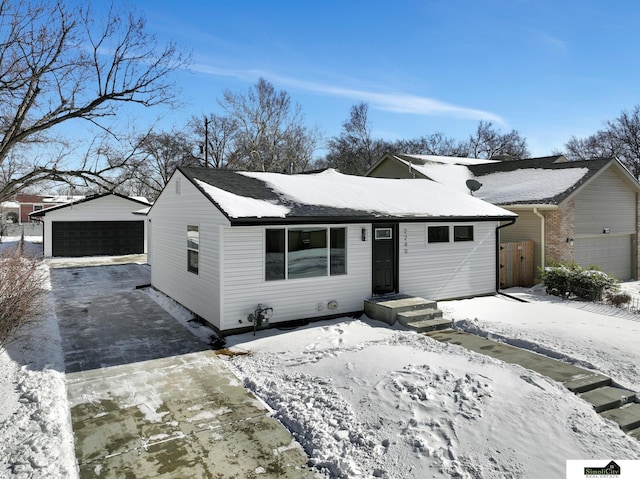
{"x":544,"y":181}
{"x":329,"y":196}
{"x":43,"y":212}
{"x":548,"y":180}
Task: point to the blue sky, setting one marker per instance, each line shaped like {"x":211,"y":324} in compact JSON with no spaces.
{"x":549,"y":69}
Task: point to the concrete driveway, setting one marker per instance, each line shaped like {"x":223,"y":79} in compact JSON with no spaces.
{"x":150,"y":400}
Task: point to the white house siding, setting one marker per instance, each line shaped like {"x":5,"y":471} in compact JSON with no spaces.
{"x":105,"y":208}
{"x":244,"y":285}
{"x":608,"y":203}
{"x":447,"y":270}
{"x":170,"y":216}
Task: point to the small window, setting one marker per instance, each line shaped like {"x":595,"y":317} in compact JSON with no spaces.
{"x":384,"y":234}
{"x":463,"y":233}
{"x":274,"y":262}
{"x":193,"y":248}
{"x":438,"y":234}
{"x":337,"y":253}
{"x":37,"y":207}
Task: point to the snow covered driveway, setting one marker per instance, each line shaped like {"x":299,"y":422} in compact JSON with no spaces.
{"x":104,"y":321}
{"x":148,"y":399}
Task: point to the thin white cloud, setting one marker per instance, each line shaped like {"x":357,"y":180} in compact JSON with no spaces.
{"x":553,"y":43}
{"x":393,"y":102}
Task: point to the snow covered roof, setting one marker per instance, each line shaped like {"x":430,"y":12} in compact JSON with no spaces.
{"x":10,"y":205}
{"x":84,"y":199}
{"x":255,"y":197}
{"x":443,"y":160}
{"x":545,"y":180}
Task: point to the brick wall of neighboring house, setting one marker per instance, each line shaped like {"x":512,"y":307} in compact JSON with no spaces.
{"x":29,"y":204}
{"x":560,"y":225}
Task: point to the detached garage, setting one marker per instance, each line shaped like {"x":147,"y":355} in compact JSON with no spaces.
{"x":105,"y":224}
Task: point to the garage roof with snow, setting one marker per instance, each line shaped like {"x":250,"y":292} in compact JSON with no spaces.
{"x":138,"y":199}
{"x":256,"y":197}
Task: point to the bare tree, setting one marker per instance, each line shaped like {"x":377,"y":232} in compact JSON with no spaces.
{"x":433,"y":144}
{"x":61,"y":62}
{"x":219,"y":139}
{"x":488,"y":142}
{"x":354,"y":151}
{"x":619,"y":139}
{"x":157,"y":156}
{"x":599,"y":145}
{"x":269,"y":130}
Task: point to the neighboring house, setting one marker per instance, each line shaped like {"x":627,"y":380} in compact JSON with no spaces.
{"x":104,"y":224}
{"x":222,"y":242}
{"x":28,"y":204}
{"x":582,"y":211}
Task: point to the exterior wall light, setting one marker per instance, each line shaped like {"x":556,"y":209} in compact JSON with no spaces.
{"x":570,"y":241}
{"x":364,"y":234}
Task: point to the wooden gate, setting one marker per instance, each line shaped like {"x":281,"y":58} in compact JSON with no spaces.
{"x":516,"y":264}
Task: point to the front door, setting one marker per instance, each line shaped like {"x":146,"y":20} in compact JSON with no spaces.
{"x":385,"y":252}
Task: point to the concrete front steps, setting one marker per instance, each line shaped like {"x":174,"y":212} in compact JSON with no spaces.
{"x":611,"y":402}
{"x":418,"y":314}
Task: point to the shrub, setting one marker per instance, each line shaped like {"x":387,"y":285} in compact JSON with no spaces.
{"x":21,"y":294}
{"x":569,"y":279}
{"x":618,"y":299}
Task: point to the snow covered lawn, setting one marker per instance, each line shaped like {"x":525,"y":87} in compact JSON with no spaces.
{"x":368,"y":401}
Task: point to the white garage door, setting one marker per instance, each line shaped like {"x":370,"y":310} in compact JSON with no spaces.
{"x":612,"y":253}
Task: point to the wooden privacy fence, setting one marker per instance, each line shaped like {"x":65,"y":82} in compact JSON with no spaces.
{"x":516,"y":264}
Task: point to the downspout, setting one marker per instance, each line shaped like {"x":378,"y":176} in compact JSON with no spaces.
{"x":542,"y":236}
{"x":498,"y":228}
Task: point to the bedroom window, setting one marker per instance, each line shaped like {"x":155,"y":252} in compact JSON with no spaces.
{"x":438,"y":234}
{"x":193,"y":248}
{"x":295,"y":253}
{"x":463,"y":233}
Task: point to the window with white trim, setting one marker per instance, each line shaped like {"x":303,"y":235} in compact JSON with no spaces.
{"x":193,"y":248}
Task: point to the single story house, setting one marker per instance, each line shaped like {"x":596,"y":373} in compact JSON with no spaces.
{"x":582,"y":211}
{"x":104,"y":224}
{"x":222,"y":242}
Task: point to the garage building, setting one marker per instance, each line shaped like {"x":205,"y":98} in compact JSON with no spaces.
{"x":101,"y":225}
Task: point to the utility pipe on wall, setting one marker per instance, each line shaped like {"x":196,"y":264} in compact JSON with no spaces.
{"x":542,"y":236}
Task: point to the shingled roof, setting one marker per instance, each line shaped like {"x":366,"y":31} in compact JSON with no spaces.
{"x":537,"y":172}
{"x":329,"y":196}
{"x":547,"y":180}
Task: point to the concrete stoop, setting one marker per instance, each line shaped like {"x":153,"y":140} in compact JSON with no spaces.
{"x":418,"y":314}
{"x":611,"y":402}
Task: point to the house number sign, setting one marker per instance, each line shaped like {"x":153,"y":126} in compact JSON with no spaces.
{"x":405,"y":241}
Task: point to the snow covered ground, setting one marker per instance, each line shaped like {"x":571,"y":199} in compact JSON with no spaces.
{"x":369,"y":401}
{"x":366,"y":400}
{"x":36,"y":440}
